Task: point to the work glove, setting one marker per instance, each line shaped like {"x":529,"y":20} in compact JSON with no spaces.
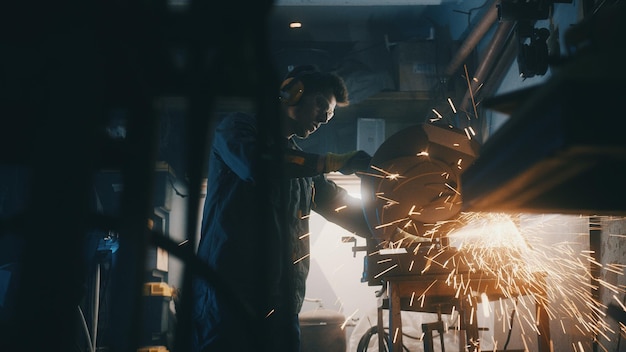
{"x":347,"y":163}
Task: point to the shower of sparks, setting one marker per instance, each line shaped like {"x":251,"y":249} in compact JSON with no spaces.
{"x":452,"y":105}
{"x":385,"y":271}
{"x":489,"y":247}
{"x":412,"y":298}
{"x":269,"y":313}
{"x":620,"y":303}
{"x":485,"y":301}
{"x":478,"y":90}
{"x":469,"y":87}
{"x":388,"y":175}
{"x":341,"y":208}
{"x":393,"y":176}
{"x":492,"y":255}
{"x":412,"y":212}
{"x":379,"y":169}
{"x":467,"y":132}
{"x":422,"y":153}
{"x":389,"y":201}
{"x":370,"y":174}
{"x":423,"y":295}
{"x":304,"y":236}
{"x":391,"y":223}
{"x":438,"y":114}
{"x":301,"y":259}
{"x":348,"y":319}
{"x":452,"y":188}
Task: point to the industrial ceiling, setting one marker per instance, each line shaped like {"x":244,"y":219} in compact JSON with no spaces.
{"x":378,"y":47}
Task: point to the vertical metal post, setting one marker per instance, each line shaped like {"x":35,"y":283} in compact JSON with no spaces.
{"x":200,"y":91}
{"x":234,"y":62}
{"x":52,"y":48}
{"x":381,"y":327}
{"x":395,"y":317}
{"x":595,"y":246}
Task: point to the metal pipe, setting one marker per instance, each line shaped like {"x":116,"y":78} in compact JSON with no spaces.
{"x":505,"y":60}
{"x":473,"y":38}
{"x":595,"y":246}
{"x":492,"y":52}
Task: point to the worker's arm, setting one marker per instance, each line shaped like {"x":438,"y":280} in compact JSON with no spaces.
{"x":236,"y":143}
{"x":337,"y":206}
{"x":303,"y":164}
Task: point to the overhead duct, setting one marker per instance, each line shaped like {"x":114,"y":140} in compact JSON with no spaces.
{"x":562,"y":149}
{"x":492,"y":53}
{"x":500,"y":67}
{"x":473,"y":38}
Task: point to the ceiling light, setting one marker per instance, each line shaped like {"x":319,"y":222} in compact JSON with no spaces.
{"x":295,"y":25}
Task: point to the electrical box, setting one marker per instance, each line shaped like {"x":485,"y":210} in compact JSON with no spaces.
{"x":370,"y":134}
{"x":418,"y":65}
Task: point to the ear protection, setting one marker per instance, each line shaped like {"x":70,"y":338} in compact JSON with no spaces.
{"x":291,"y":91}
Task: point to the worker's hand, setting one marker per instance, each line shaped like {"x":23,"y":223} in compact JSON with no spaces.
{"x":347,"y":163}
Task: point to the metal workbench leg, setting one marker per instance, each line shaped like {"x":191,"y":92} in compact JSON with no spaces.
{"x":395,"y":319}
{"x":543,"y":328}
{"x":428,"y":329}
{"x":381,"y":328}
{"x":471,"y":330}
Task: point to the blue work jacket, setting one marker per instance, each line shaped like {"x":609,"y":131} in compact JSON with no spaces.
{"x":249,"y":213}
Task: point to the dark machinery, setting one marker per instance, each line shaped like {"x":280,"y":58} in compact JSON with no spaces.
{"x":416,"y":180}
{"x":533,"y":55}
{"x":414,"y":189}
{"x":412,"y":200}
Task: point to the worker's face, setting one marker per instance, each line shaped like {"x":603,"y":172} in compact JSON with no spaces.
{"x":311,"y":113}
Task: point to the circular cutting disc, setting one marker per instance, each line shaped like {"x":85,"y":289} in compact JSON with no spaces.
{"x":415,"y":181}
{"x":413,"y":191}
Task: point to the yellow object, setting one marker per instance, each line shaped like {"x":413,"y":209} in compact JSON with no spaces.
{"x":157,"y":289}
{"x":294,"y":159}
{"x":153,"y":349}
{"x":291,"y":91}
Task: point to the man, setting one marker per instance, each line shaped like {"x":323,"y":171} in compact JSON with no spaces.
{"x":255,"y":222}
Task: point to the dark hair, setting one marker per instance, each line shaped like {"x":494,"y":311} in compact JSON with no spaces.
{"x":316,"y":81}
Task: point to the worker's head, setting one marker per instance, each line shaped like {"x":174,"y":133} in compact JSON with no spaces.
{"x":309,"y":98}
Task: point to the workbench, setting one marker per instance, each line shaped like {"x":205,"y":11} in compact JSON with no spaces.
{"x":403,"y":293}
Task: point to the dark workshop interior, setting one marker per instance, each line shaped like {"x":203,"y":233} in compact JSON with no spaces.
{"x":108,"y":108}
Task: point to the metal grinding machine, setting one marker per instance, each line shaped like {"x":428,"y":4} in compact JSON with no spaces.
{"x":416,"y":181}
{"x":412,"y":199}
